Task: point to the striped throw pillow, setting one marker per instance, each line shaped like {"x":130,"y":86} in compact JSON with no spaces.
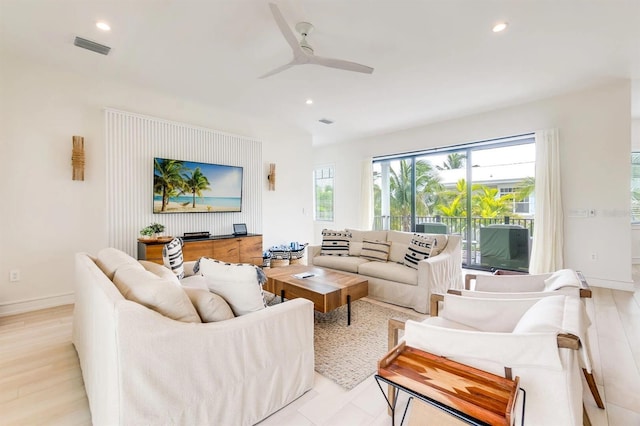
{"x":419,"y":249}
{"x":375,"y":250}
{"x":335,"y":243}
{"x":172,"y":257}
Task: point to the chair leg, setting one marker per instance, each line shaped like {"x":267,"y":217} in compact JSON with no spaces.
{"x":585,"y":417}
{"x":591,"y":381}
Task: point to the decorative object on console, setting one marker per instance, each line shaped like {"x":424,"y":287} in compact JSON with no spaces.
{"x":280,"y":256}
{"x":77,"y":158}
{"x":335,"y":243}
{"x":152,"y":233}
{"x":172,"y":257}
{"x":239,"y":229}
{"x":296,"y":256}
{"x":271,"y":177}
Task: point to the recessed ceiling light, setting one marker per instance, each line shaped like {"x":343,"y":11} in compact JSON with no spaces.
{"x":500,"y":26}
{"x":103,"y":26}
{"x":309,"y":101}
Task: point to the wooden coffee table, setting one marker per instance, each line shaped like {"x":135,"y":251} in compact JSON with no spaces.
{"x":327,"y":289}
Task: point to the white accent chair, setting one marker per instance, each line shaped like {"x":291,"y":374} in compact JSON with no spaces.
{"x":506,"y":285}
{"x":535,"y":339}
{"x":565,"y":281}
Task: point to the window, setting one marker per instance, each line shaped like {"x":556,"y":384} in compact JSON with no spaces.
{"x":522,"y":203}
{"x":467,"y":188}
{"x":323,"y":193}
{"x":635,"y":187}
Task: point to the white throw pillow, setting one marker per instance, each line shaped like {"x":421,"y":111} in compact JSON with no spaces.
{"x":210,"y":306}
{"x":375,"y":250}
{"x":195,"y":281}
{"x":172,"y":257}
{"x":239,"y":284}
{"x":560,"y":279}
{"x":543,"y":317}
{"x":419,"y":249}
{"x":159,"y":294}
{"x":335,"y":243}
{"x":110,"y":259}
{"x":160,"y":270}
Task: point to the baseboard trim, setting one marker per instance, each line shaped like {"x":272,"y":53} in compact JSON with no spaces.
{"x":28,"y":305}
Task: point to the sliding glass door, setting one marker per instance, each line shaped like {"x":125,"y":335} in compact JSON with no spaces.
{"x":482,"y":191}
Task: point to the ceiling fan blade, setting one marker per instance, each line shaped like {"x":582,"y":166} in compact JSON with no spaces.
{"x":340,"y":64}
{"x":279,"y":69}
{"x":285,"y":30}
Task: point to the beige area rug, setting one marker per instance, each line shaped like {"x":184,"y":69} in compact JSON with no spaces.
{"x":349,"y":354}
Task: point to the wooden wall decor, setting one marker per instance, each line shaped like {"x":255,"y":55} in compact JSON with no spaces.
{"x":271,"y":177}
{"x":77,"y":158}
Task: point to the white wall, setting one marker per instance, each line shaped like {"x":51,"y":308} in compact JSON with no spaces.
{"x":46,"y":217}
{"x":595,"y":131}
{"x":635,"y":229}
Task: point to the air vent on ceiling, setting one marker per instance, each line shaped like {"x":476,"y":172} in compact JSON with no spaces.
{"x":325,"y":121}
{"x":91,"y":45}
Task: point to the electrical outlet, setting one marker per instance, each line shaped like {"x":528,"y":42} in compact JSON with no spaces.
{"x":14,"y":275}
{"x":594,"y":256}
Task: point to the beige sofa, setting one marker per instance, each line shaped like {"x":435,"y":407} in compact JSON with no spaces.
{"x":392,"y":281}
{"x":140,"y":367}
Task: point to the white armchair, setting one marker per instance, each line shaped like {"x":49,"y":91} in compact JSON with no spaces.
{"x":565,"y":281}
{"x":510,"y":286}
{"x":535,"y":339}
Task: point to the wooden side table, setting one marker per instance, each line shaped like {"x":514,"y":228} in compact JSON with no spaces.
{"x":474,"y":396}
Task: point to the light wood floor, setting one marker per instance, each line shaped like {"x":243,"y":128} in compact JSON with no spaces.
{"x":41,"y":383}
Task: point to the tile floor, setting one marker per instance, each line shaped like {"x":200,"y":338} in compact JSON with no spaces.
{"x":38,"y":342}
{"x":615,"y":340}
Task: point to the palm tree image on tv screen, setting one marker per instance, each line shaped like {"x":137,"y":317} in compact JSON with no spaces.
{"x":192,"y":187}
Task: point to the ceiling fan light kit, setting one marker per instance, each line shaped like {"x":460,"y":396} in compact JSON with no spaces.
{"x":303,"y":52}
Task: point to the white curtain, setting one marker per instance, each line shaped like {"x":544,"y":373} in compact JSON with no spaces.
{"x":366,"y":194}
{"x":548,"y":234}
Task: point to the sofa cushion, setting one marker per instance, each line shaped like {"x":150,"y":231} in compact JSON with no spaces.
{"x":399,"y":237}
{"x":397,"y":252}
{"x":355,"y":248}
{"x":160,"y":270}
{"x":172,"y":257}
{"x":419,"y":249}
{"x":543,"y":317}
{"x":195,"y":281}
{"x":389,"y":271}
{"x":441,"y":241}
{"x":239,"y":284}
{"x":360,"y":236}
{"x":560,"y":279}
{"x":210,"y":306}
{"x":110,"y":259}
{"x":335,"y":243}
{"x":341,"y":263}
{"x":375,"y":250}
{"x":159,"y":294}
{"x":447,"y":323}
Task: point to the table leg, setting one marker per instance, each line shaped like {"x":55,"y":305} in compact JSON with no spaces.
{"x":282,"y":296}
{"x":348,"y":309}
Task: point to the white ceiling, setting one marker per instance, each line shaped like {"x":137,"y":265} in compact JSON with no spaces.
{"x":433,"y":60}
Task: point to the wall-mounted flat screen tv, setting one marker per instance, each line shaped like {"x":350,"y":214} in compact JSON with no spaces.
{"x":191,"y":187}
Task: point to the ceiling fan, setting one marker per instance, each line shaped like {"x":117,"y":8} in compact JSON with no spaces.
{"x":303,"y":52}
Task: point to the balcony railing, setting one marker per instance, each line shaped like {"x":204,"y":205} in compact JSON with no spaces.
{"x":457,"y":225}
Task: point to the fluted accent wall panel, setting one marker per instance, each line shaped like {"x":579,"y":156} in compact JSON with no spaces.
{"x":133,"y":140}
